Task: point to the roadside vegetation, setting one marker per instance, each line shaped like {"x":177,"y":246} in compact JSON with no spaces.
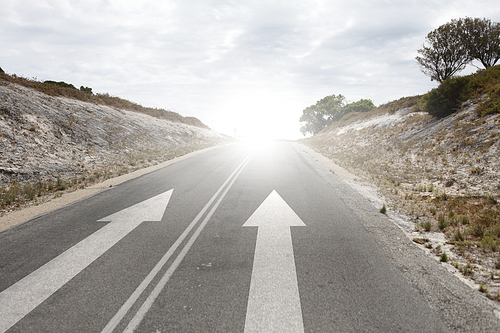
{"x":482,"y":87}
{"x":434,"y":157}
{"x":447,"y":51}
{"x":444,"y":174}
{"x":452,"y":46}
{"x":447,"y":98}
{"x":329,"y":110}
{"x":85,"y":94}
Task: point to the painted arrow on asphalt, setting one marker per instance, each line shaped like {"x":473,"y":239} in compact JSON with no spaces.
{"x":273,"y":301}
{"x":25,"y":295}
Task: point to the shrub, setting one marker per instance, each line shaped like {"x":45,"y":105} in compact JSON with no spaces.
{"x":447,"y":98}
{"x":363,"y":105}
{"x":383,"y":210}
{"x":86,"y":89}
{"x":60,"y":184}
{"x":478,"y":231}
{"x":419,"y":240}
{"x":489,"y":242}
{"x":463,"y":219}
{"x":467,"y":270}
{"x":61,"y":84}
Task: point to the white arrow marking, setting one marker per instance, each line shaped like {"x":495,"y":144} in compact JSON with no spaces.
{"x":25,"y":295}
{"x":273,"y":301}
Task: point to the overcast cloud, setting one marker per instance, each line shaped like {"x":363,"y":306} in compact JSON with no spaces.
{"x":250,"y":65}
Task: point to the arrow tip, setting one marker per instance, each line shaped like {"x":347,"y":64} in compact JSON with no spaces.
{"x":149,"y":210}
{"x":274,"y":212}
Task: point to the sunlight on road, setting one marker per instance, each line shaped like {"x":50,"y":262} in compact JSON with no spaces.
{"x":257,"y":142}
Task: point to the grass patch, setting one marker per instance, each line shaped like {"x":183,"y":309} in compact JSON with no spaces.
{"x":442,"y":222}
{"x":427,"y":225}
{"x":420,"y":241}
{"x":472,"y":218}
{"x":483,"y":288}
{"x":402,"y":103}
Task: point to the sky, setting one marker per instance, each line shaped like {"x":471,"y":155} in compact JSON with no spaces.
{"x":244,"y":67}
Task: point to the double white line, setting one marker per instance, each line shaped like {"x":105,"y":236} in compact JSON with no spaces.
{"x":136,"y":320}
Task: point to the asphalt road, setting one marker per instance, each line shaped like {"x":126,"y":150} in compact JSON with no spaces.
{"x":237,"y":239}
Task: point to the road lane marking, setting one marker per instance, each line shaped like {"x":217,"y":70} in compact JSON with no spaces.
{"x":25,"y":295}
{"x":273,"y":301}
{"x":136,"y":320}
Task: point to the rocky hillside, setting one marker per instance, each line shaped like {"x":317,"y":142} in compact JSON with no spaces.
{"x":442,"y":174}
{"x":457,"y":154}
{"x":50,"y":143}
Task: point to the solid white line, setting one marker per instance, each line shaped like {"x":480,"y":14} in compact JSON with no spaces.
{"x":113,"y":323}
{"x":26,"y":294}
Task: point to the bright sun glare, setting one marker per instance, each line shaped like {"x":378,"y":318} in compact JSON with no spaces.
{"x":257,"y":141}
{"x":260,"y":115}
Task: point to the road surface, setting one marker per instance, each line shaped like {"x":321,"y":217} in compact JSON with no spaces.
{"x":237,"y":239}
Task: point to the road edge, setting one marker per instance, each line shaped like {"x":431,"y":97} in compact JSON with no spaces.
{"x":26,"y":214}
{"x":462,"y":308}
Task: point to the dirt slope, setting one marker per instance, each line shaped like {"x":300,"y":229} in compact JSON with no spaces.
{"x":43,"y":136}
{"x":441,"y":175}
{"x":55,"y":144}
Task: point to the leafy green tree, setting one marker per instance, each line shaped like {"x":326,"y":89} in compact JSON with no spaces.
{"x":328,"y":110}
{"x":481,"y":38}
{"x":445,"y":54}
{"x":323,"y":113}
{"x":314,"y":120}
{"x":363,"y":105}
